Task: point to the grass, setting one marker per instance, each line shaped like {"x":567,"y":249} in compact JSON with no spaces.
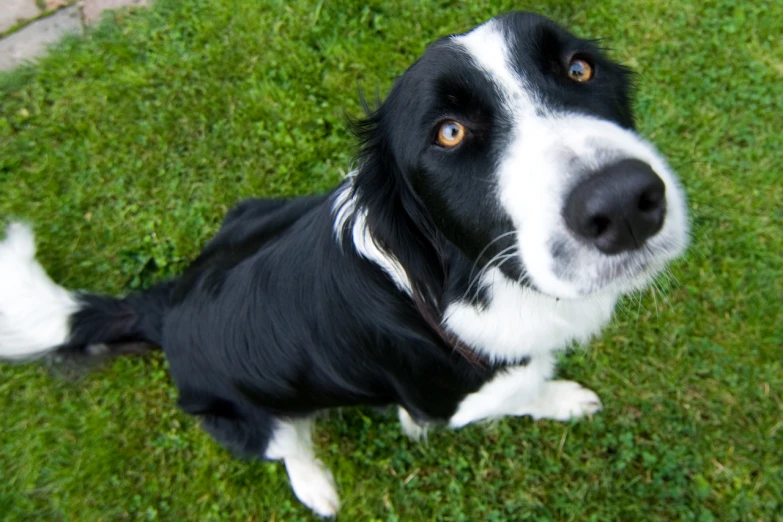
{"x":126,"y":147}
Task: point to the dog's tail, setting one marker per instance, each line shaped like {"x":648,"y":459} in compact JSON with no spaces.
{"x":40,"y":318}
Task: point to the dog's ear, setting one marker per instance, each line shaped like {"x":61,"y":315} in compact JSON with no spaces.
{"x":380,"y":185}
{"x":398,"y":221}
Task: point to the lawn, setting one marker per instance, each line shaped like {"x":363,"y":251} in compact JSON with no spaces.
{"x":126,"y":147}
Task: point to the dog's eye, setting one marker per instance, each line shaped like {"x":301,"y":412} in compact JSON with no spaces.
{"x":579,"y":70}
{"x":451,"y":134}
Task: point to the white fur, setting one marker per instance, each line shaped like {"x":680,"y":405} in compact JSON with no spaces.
{"x":311,"y":481}
{"x":347,"y":213}
{"x":489,"y":49}
{"x":367,"y":247}
{"x":506,"y":393}
{"x":527,"y":390}
{"x":547,"y":154}
{"x":410,"y":427}
{"x":562,"y":401}
{"x":34,"y":311}
{"x":343,"y":208}
{"x":520,"y":322}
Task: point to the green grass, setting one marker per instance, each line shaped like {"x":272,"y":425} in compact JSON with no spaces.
{"x":125,"y":148}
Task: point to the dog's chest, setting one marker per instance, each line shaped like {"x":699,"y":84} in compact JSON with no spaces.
{"x":519,"y":322}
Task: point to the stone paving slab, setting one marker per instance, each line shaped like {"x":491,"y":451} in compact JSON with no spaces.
{"x":30,"y":42}
{"x":92,"y":9}
{"x":13,"y":11}
{"x":54,"y":4}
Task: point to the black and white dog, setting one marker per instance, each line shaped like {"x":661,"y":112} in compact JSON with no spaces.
{"x":501,"y":204}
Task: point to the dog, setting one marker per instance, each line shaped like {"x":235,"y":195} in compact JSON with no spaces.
{"x":501,"y":204}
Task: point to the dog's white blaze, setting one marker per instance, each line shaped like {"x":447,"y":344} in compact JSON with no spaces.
{"x":488,"y":47}
{"x":520,"y":322}
{"x":546,"y":155}
{"x":346,"y":213}
{"x":34,"y":311}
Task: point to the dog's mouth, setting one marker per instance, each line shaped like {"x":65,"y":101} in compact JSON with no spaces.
{"x":574,"y":271}
{"x":616,"y":274}
{"x":568,"y":269}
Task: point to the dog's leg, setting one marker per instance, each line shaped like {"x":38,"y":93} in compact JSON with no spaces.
{"x":311,"y":481}
{"x":412,"y":429}
{"x":527,"y":390}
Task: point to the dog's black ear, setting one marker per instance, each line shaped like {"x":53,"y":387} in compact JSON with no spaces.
{"x":381,"y":186}
{"x":396,"y":217}
{"x":400,"y":223}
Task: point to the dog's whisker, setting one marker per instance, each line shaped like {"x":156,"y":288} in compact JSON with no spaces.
{"x":483,"y":250}
{"x":486,"y":267}
{"x":500,"y":262}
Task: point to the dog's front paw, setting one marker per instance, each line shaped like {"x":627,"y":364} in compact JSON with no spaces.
{"x":314,"y":486}
{"x":563,"y":400}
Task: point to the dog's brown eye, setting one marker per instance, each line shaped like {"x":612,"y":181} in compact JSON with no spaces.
{"x":451,"y":134}
{"x":579,"y":70}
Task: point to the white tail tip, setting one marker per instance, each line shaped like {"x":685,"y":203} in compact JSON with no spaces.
{"x":34,"y":311}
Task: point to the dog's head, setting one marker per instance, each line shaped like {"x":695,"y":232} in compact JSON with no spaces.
{"x":518,"y":138}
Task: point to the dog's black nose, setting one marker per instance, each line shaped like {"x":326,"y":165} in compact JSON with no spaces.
{"x":617,"y":208}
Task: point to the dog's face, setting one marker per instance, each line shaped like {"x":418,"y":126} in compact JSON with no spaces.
{"x":518,"y":139}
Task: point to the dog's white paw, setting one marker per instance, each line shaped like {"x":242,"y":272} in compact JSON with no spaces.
{"x":563,"y":400}
{"x":410,"y":427}
{"x":313,"y":485}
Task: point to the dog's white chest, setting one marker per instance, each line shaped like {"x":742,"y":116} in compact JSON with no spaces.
{"x":520,"y":322}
